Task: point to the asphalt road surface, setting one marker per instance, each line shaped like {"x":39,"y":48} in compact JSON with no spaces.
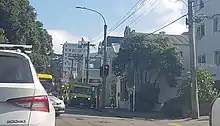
{"x":86,"y":117}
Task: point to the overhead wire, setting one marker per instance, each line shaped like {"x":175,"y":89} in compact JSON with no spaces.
{"x":167,"y":24}
{"x":125,"y":15}
{"x":136,"y":20}
{"x":119,"y":20}
{"x":112,"y":29}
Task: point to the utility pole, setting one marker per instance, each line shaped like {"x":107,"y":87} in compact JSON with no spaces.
{"x":194,"y":88}
{"x":103,"y":97}
{"x":87,"y":63}
{"x":71,"y":70}
{"x":87,"y":59}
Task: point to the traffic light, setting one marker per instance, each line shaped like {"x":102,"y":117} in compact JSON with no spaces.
{"x":106,"y":70}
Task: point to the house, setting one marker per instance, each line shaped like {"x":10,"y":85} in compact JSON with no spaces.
{"x":208,"y":36}
{"x":167,"y":91}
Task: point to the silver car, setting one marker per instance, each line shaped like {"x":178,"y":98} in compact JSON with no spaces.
{"x":58,"y":105}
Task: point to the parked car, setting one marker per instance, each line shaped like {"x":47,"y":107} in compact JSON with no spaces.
{"x":214,"y":113}
{"x":22,"y":97}
{"x":58,"y":105}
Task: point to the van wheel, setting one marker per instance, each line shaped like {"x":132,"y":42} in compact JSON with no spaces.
{"x":57,"y":114}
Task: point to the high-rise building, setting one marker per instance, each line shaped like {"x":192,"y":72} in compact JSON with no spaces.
{"x":72,"y":53}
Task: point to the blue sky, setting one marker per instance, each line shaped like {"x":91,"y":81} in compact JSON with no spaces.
{"x":66,"y":23}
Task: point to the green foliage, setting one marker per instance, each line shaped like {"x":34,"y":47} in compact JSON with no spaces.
{"x":56,"y":67}
{"x":145,"y":54}
{"x":18,"y":21}
{"x":142,"y":55}
{"x":206,"y":90}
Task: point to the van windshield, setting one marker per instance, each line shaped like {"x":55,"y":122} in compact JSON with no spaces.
{"x":47,"y":84}
{"x":15,"y":69}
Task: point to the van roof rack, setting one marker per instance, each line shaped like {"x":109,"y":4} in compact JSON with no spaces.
{"x":18,"y":48}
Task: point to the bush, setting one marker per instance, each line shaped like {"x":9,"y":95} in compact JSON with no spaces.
{"x":176,"y":107}
{"x":180,"y":106}
{"x":206,"y":90}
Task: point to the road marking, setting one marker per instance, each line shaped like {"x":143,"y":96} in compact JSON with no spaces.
{"x":174,"y":124}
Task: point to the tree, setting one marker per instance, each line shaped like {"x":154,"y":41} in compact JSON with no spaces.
{"x":56,"y":67}
{"x":20,"y":26}
{"x":146,"y":57}
{"x":3,"y":39}
{"x":206,"y":90}
{"x":146,"y":60}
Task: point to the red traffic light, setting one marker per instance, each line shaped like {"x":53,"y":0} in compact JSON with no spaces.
{"x":106,"y":66}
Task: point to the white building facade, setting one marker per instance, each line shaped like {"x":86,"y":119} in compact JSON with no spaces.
{"x":208,"y":36}
{"x":72,"y":53}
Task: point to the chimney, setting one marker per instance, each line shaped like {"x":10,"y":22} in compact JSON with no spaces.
{"x":162,"y":33}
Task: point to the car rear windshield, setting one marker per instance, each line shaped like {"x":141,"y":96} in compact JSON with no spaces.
{"x":15,"y":70}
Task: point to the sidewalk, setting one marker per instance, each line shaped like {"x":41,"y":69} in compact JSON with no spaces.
{"x":128,"y":114}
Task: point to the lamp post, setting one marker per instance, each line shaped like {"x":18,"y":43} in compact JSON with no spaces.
{"x":103,"y":96}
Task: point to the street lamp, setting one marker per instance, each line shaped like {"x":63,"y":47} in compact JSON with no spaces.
{"x":105,"y":54}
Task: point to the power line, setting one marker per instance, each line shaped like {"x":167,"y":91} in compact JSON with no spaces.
{"x":112,"y":29}
{"x":142,"y":4}
{"x":96,"y":38}
{"x":169,"y":24}
{"x":133,"y":21}
{"x":125,"y":15}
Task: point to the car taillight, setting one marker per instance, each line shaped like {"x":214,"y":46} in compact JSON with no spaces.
{"x":35,"y":103}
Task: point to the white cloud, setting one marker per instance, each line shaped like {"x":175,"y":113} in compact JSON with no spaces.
{"x":60,"y":37}
{"x":172,"y":10}
{"x":165,"y":12}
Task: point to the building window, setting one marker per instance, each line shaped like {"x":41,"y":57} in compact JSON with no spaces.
{"x":217,"y":57}
{"x":202,"y":59}
{"x":200,"y":31}
{"x":216,"y":24}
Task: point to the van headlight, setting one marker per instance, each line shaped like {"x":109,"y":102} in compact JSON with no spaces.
{"x":88,"y":98}
{"x":74,"y":96}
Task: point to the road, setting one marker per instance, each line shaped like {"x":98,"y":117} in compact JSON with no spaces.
{"x":83,"y":117}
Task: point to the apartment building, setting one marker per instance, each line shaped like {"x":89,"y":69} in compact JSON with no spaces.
{"x":208,"y":36}
{"x":72,"y":53}
{"x":95,"y":61}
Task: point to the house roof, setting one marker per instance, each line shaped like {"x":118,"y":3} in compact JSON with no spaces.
{"x":114,"y":39}
{"x":172,"y":39}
